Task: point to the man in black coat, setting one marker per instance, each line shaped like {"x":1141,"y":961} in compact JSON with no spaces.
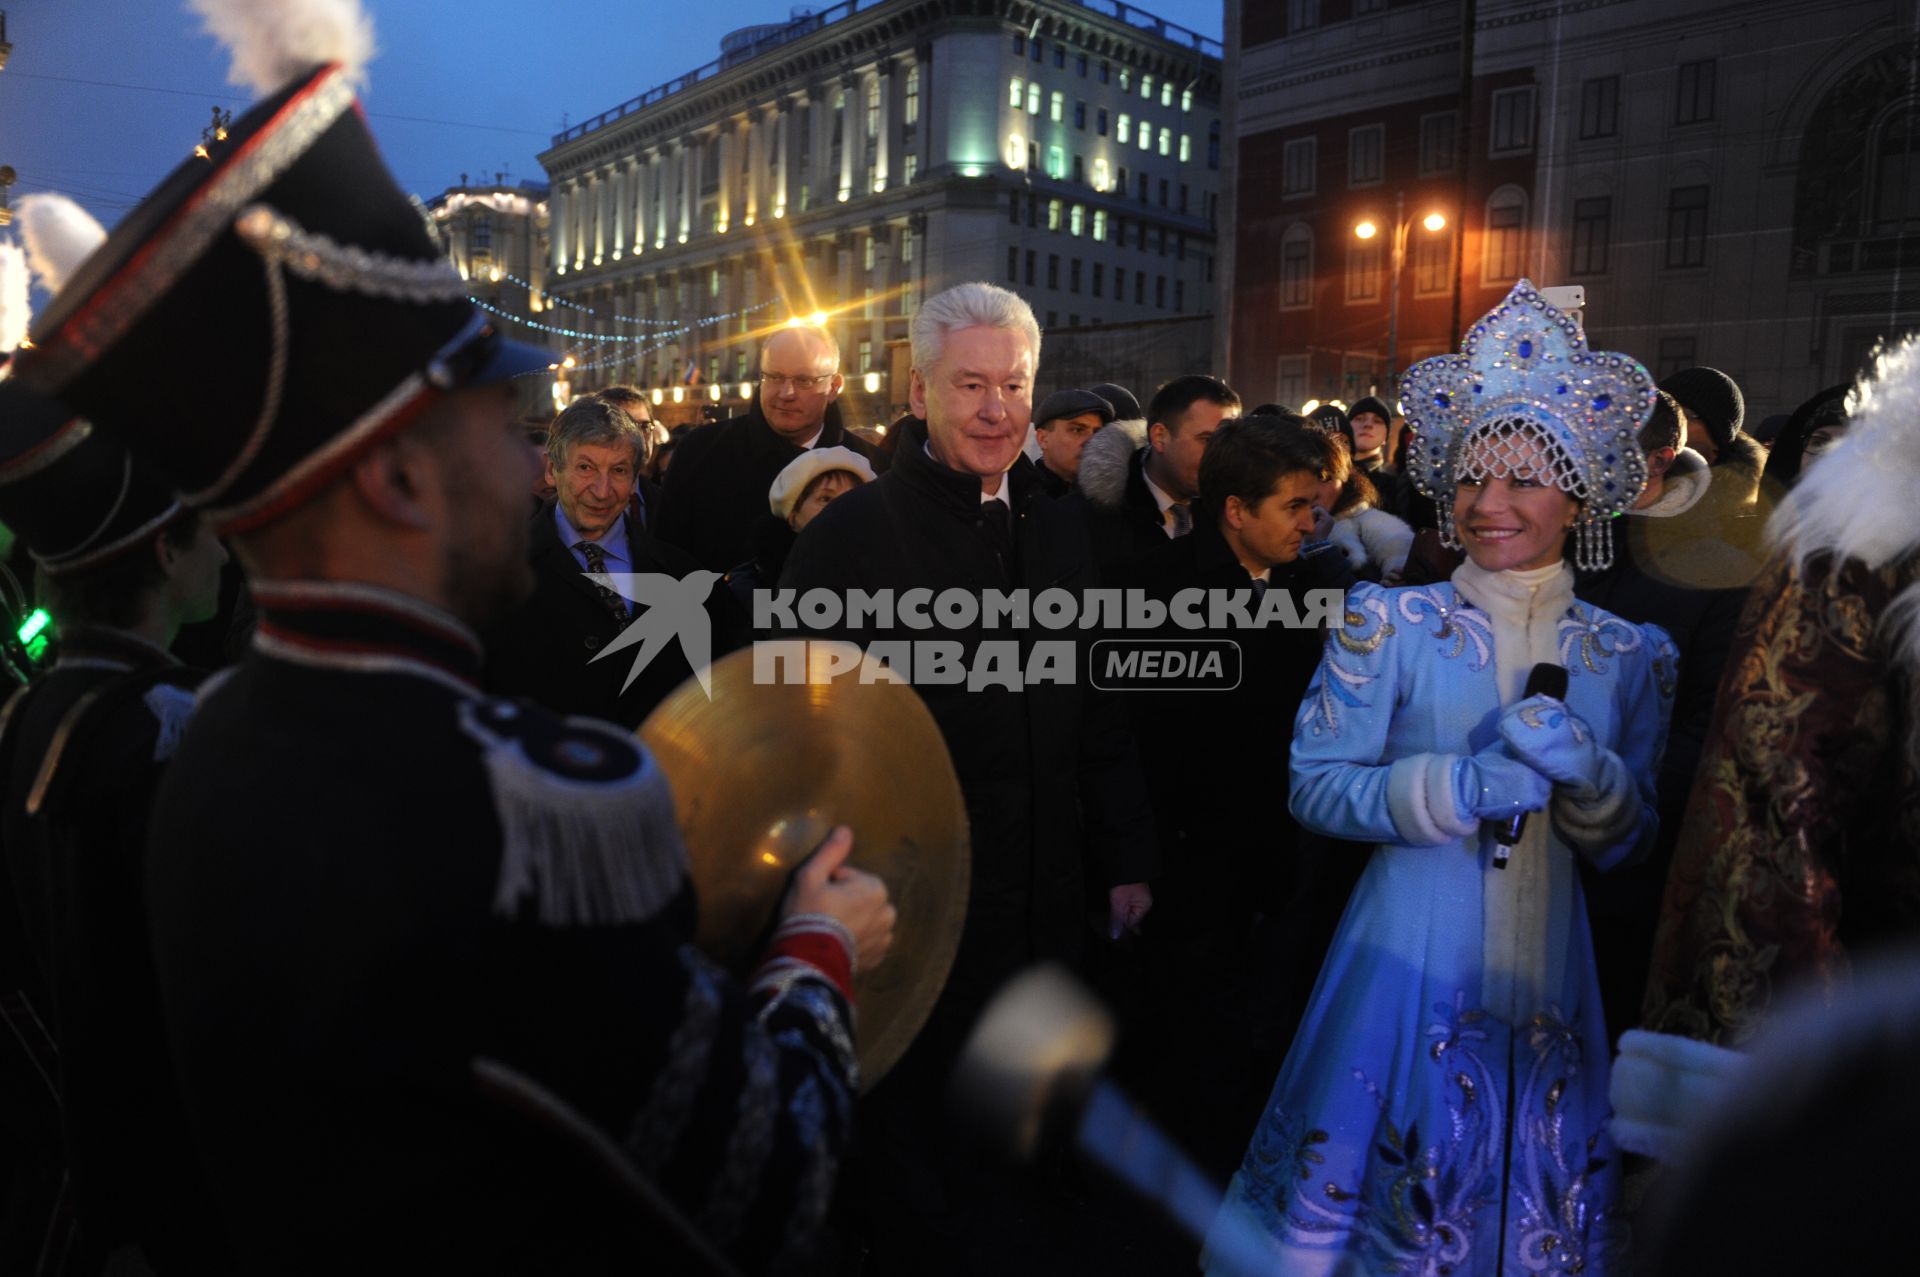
{"x":716,"y":488}
{"x":1137,"y":489}
{"x":1045,"y":770}
{"x":1216,"y":766}
{"x":546,"y":648}
{"x":1673,"y":566}
{"x":1064,"y":422}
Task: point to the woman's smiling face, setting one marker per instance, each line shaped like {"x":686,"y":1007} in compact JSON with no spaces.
{"x":1506,"y":508}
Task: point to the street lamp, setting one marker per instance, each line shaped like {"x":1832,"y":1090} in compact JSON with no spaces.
{"x":1366,"y":229}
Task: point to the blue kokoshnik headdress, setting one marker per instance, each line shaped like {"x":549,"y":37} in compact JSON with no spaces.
{"x":1524,"y":373}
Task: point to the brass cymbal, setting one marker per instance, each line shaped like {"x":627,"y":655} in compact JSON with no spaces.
{"x":761,"y":772}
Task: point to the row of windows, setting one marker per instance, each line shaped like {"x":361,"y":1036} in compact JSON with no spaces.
{"x":1077,"y":272}
{"x":1693,"y":99}
{"x":1028,"y":95}
{"x":1503,"y":257}
{"x":1055,"y":215}
{"x":1366,"y":155}
{"x":1023,"y":47}
{"x":1022,"y":154}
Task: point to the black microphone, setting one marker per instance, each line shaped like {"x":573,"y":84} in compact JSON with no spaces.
{"x":1547,"y":679}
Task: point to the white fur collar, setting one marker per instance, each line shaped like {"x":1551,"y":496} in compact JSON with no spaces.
{"x":1687,"y":480}
{"x":1105,"y":459}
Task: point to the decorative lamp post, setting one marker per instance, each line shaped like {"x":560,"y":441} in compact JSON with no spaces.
{"x":1366,"y":229}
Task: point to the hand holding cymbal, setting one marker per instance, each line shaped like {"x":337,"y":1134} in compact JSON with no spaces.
{"x":827,"y":884}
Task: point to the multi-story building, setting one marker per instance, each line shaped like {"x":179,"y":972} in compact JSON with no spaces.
{"x":496,"y":234}
{"x":852,"y":162}
{"x":1732,"y":184}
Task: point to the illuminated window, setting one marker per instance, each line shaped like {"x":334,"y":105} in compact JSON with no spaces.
{"x":912,"y":116}
{"x":1126,"y":80}
{"x":1016,"y":92}
{"x":1053,"y":215}
{"x":1186,"y":147}
{"x":1033,"y":98}
{"x":1016,"y":151}
{"x":1166,"y":141}
{"x":1077,"y":219}
{"x":1101,"y":175}
{"x":1146,"y":136}
{"x":1125,"y":131}
{"x":873,"y":107}
{"x":1166,"y":94}
{"x":1186,"y":100}
{"x":906,"y":245}
{"x":1146,"y":87}
{"x":1099,"y":227}
{"x":1056,"y":163}
{"x":1057,"y":107}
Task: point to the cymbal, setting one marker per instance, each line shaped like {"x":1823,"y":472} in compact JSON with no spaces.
{"x":762,"y":772}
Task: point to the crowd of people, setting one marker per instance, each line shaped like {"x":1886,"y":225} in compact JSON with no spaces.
{"x":365,"y":942}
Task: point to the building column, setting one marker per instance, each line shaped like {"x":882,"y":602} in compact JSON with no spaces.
{"x":852,"y":125}
{"x":617,"y":190}
{"x":723,"y":144}
{"x":688,"y":174}
{"x":557,"y":209}
{"x":756,"y":139}
{"x":577,"y":223}
{"x":882,"y":142}
{"x":782,"y":154}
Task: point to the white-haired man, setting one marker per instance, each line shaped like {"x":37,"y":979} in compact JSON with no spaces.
{"x":716,"y":491}
{"x":1049,"y":773}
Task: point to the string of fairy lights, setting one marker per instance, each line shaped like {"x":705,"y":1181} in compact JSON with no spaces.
{"x":574,"y":305}
{"x":648,"y":341}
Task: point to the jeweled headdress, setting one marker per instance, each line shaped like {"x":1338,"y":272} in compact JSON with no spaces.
{"x":1524,"y":371}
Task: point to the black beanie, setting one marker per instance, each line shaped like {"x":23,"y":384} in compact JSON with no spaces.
{"x":1713,"y":397}
{"x":1368,"y":403}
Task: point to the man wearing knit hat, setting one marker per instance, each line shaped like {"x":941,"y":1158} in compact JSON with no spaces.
{"x":1715,"y":411}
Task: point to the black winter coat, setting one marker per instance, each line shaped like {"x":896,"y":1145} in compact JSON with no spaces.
{"x":716,"y":488}
{"x":1039,"y":767}
{"x":544,"y":649}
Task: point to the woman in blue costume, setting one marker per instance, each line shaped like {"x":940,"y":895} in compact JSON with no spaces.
{"x":1443,"y":1109}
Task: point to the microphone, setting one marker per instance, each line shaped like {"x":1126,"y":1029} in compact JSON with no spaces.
{"x":1547,"y":679}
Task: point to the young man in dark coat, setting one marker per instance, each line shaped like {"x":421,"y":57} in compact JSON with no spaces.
{"x":716,"y":489}
{"x":546,"y":648}
{"x":1138,"y":487}
{"x":1045,"y":770}
{"x":1213,"y":758}
{"x":378,"y":895}
{"x":82,"y":749}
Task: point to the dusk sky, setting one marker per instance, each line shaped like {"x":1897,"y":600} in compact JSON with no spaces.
{"x":101,"y":98}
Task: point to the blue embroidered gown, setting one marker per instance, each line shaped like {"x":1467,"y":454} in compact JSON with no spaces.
{"x":1410,"y":1126}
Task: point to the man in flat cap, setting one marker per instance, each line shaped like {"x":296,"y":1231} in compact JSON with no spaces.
{"x":1064,"y":422}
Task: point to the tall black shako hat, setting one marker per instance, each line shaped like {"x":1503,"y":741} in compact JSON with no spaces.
{"x":269,"y":312}
{"x":76,"y":497}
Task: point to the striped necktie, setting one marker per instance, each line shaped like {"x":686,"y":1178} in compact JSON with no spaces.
{"x":597,"y":562}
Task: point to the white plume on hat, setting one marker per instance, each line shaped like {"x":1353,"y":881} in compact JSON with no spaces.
{"x":13,"y":297}
{"x":273,"y":41}
{"x":59,"y":235}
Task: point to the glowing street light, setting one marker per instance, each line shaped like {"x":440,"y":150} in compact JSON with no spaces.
{"x":1366,"y":229}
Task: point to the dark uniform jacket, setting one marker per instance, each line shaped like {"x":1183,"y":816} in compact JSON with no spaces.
{"x":1123,"y":520}
{"x":365,"y":876}
{"x":82,"y":750}
{"x":1036,"y":767}
{"x":544,"y":650}
{"x":716,"y":488}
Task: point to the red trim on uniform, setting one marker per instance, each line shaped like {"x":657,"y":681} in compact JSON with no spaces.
{"x":822,"y":950}
{"x":291,"y":600}
{"x":311,"y":484}
{"x":155,"y":242}
{"x":298,"y":638}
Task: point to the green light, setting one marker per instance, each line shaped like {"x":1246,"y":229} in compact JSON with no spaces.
{"x":37,"y":648}
{"x":31,"y":628}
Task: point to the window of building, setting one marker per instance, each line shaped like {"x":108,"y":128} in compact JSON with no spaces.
{"x":713,"y":282}
{"x":1687,"y":226}
{"x":1145,"y":136}
{"x":1139,"y":288}
{"x":1056,"y":163}
{"x":1120,"y":184}
{"x":1099,"y":277}
{"x":1101,"y":175}
{"x":1033,"y":98}
{"x":1077,"y":219}
{"x":1016,"y":152}
{"x":910,"y":167}
{"x":1160,"y":292}
{"x":910,"y":113}
{"x":1013,"y":208}
{"x":1180,"y":295}
{"x":1029,"y":268}
{"x":1186,"y":147}
{"x":1126,"y":80}
{"x":1073,"y":321}
{"x":1142,"y":184}
{"x":1297,"y":161}
{"x":1512,"y":132}
{"x":1119,"y":283}
{"x":1080,"y":115}
{"x":1292,"y":379}
{"x":1166,"y":93}
{"x":1100,"y":121}
{"x":1057,"y":107}
{"x":873,"y":107}
{"x":1163,"y":192}
{"x":1019,"y":44}
{"x":1125,"y":131}
{"x":1033,"y":155}
{"x":1146,"y":88}
{"x":1437,"y":137}
{"x":1100,"y":225}
{"x":1506,"y":236}
{"x":1432,"y":262}
{"x":1600,"y":107}
{"x":1080,"y":65}
{"x":1677,"y":353}
{"x":1363,"y":270}
{"x":1053,"y":272}
{"x":1106,"y":72}
{"x":1033,"y":50}
{"x":1183,"y":197}
{"x":1296,"y":267}
{"x":1366,"y":154}
{"x":866,"y":354}
{"x":1303,"y":15}
{"x":1592,"y":230}
{"x":1693,"y":103}
{"x":872,"y":251}
{"x":1033,"y":210}
{"x":1213,"y":145}
{"x":1053,"y":319}
{"x":1016,"y":92}
{"x":1079,"y":169}
{"x":1073,"y":275}
{"x":480,"y":234}
{"x":1053,"y":215}
{"x":906,"y":245}
{"x":1060,"y":56}
{"x":1895,"y":157}
{"x":1166,"y":141}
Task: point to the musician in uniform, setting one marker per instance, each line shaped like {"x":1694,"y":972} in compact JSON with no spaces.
{"x":372,"y":887}
{"x":82,"y":747}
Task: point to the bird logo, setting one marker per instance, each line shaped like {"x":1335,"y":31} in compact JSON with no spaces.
{"x":672,"y":608}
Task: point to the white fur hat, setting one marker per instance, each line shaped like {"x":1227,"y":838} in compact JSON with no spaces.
{"x":791,"y":483}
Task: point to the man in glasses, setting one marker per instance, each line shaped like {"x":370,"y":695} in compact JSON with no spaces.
{"x":717,"y":488}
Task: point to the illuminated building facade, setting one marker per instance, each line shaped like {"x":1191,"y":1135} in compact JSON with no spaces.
{"x":857,"y":160}
{"x":1734,"y":184}
{"x":497,"y":236}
